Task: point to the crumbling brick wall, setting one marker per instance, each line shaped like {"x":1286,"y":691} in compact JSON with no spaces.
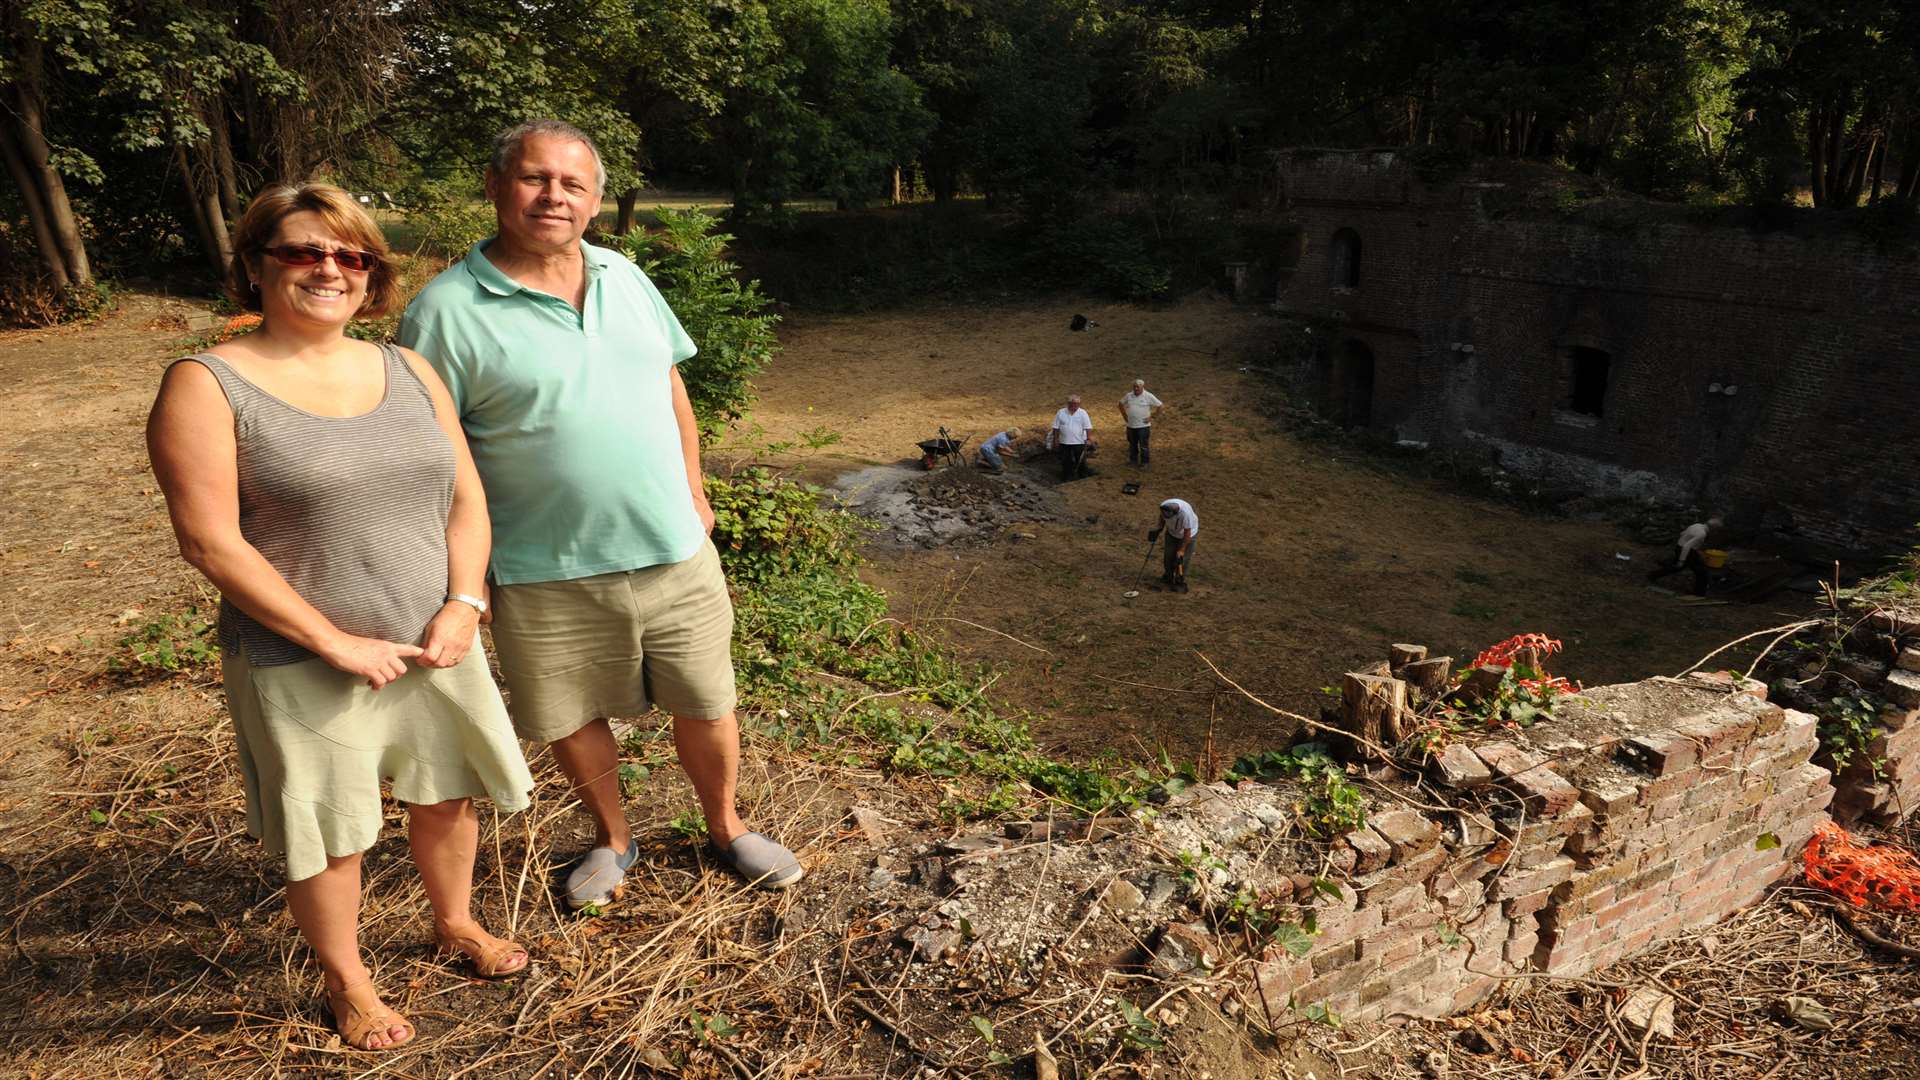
{"x":1629,"y":814}
{"x":1637,"y":812}
{"x":1473,"y":294}
{"x":1869,"y":656}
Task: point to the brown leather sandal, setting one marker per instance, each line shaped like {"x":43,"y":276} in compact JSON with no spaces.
{"x":489,"y":961}
{"x":359,"y":1015}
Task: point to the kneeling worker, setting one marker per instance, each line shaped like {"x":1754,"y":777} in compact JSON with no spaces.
{"x":1686,"y":555}
{"x":1182,"y":525}
{"x":989,"y":455}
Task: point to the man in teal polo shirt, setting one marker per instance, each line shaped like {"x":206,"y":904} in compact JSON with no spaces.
{"x":608,"y":597}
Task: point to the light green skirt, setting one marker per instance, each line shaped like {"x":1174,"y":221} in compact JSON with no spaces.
{"x":316,"y":743}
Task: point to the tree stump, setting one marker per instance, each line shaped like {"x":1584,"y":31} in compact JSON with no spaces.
{"x":1374,"y":709}
{"x":1399,"y":656}
{"x":1429,"y":677}
{"x":1482,"y":682}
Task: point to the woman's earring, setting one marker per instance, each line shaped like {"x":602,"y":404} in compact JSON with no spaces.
{"x":254,"y":285}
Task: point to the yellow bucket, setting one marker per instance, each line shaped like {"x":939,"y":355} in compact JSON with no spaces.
{"x":1714,"y":558}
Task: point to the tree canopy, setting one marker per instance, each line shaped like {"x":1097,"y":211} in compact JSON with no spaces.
{"x":137,"y":130}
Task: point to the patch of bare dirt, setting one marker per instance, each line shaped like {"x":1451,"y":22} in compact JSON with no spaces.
{"x":1311,"y":557}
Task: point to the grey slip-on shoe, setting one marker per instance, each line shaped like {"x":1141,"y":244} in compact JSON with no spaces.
{"x":761,"y":860}
{"x":598,"y":873}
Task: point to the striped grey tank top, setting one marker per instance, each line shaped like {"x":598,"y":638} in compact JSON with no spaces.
{"x":351,"y":510}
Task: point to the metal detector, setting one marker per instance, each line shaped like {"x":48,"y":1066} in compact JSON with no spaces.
{"x":1135,"y":591}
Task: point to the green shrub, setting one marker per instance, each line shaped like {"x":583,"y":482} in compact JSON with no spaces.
{"x":769,"y":527}
{"x":449,"y":220}
{"x":725,"y":317}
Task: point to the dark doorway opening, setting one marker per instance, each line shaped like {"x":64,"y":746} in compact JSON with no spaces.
{"x":1344,"y":258}
{"x":1589,"y":370}
{"x":1354,"y":406}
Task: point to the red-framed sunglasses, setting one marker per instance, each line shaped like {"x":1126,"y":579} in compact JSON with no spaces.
{"x":308,"y":255}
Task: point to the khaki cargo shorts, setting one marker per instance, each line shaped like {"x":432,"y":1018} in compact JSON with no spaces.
{"x":615,"y":645}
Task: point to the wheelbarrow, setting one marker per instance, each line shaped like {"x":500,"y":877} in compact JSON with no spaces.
{"x":945,"y":445}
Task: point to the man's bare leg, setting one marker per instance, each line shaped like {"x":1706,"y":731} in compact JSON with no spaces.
{"x":710,"y":754}
{"x":591,"y":759}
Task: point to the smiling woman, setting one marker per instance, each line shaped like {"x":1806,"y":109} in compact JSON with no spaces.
{"x":324,"y":486}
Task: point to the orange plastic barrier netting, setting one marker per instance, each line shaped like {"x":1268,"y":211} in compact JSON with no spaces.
{"x":1882,"y":877}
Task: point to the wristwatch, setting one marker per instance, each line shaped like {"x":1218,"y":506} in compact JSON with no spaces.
{"x":473,"y":602}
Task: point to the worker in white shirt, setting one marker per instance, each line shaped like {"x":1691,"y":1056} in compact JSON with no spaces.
{"x":1687,"y":555}
{"x":1182,"y":525}
{"x":1138,"y":407}
{"x":1068,"y":436}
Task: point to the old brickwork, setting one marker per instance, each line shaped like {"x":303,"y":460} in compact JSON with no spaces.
{"x":1637,"y":812}
{"x":1775,"y":376}
{"x":1870,"y":657}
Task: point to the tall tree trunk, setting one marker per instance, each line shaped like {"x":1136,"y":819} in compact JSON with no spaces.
{"x":36,"y":209}
{"x":1817,"y":155}
{"x":203,"y":196}
{"x":626,"y":200}
{"x":1879,"y":171}
{"x":29,"y":114}
{"x":1857,"y":163}
{"x":1909,"y":185}
{"x":223,"y":165}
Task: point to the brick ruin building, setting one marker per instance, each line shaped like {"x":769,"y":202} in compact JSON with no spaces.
{"x":1612,"y":346}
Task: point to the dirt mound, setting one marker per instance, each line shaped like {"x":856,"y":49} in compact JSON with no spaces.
{"x":952,"y":505}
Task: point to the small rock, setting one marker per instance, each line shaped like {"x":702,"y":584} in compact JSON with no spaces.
{"x":870,"y":823}
{"x":1648,"y":1009}
{"x":879,"y":879}
{"x":929,"y":943}
{"x":1123,"y":896}
{"x":1436,"y":1064}
{"x":963,"y":845}
{"x":1160,"y":890}
{"x":1809,"y":1014}
{"x":1183,"y":948}
{"x":930,"y":874}
{"x":1232,"y":831}
{"x":1271,"y":817}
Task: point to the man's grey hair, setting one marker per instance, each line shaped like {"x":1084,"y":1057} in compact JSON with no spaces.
{"x":508,"y":145}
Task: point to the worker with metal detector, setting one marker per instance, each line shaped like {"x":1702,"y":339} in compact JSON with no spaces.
{"x":1182,"y":525}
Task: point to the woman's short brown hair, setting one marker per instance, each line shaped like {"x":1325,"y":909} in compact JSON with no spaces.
{"x":344,"y":219}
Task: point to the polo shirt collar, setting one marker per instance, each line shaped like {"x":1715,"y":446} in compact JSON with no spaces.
{"x":495,"y":281}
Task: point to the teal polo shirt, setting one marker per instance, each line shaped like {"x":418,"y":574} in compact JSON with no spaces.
{"x":569,"y":414}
